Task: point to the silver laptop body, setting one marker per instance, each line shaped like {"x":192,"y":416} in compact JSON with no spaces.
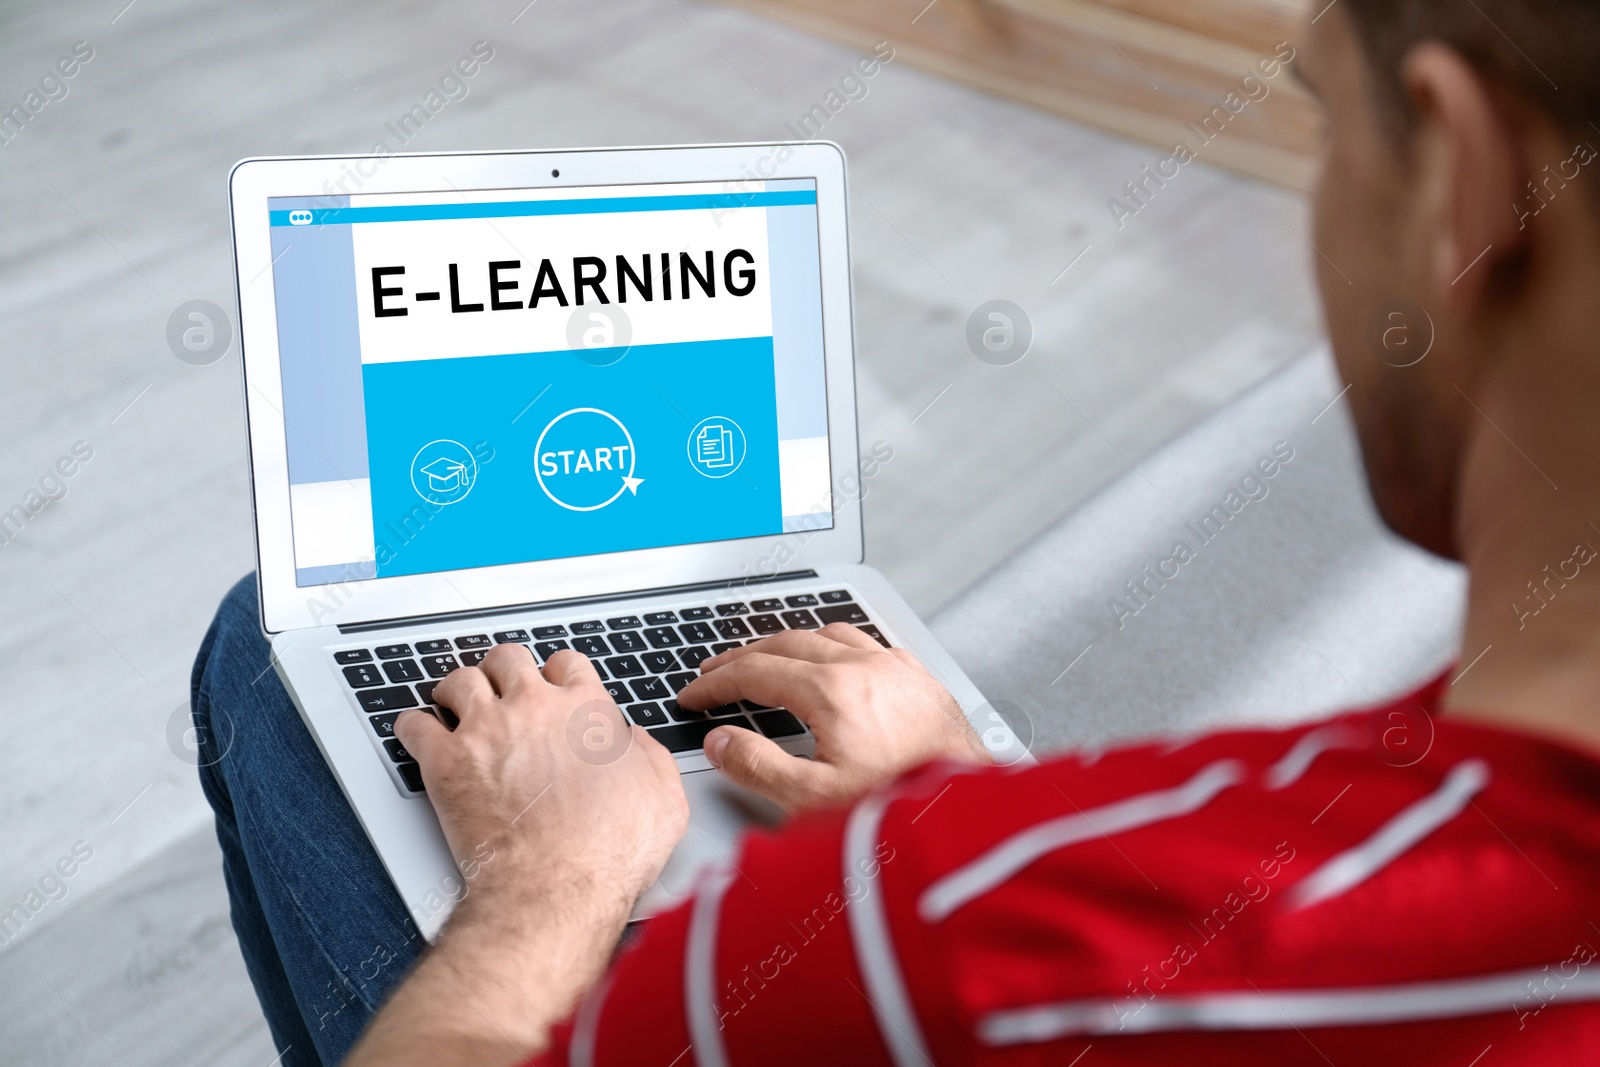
{"x":593,"y":399}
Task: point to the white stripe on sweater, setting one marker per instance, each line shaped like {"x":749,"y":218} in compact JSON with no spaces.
{"x":700,"y":971}
{"x":1394,"y":838}
{"x":869,"y":931}
{"x":1304,"y":752}
{"x":1281,"y":1009}
{"x":1016,"y":852}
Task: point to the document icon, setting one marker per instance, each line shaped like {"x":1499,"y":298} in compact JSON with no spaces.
{"x":715,"y":446}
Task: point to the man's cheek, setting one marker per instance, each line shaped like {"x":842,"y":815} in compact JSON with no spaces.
{"x":1335,"y":260}
{"x":1343,"y":211}
{"x":1327,"y":196}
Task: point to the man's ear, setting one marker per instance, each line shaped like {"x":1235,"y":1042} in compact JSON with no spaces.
{"x":1466,"y":164}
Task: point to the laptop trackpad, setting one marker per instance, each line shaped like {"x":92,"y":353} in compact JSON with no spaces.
{"x":719,"y":812}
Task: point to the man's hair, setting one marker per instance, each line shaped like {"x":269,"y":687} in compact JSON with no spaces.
{"x":1547,"y":50}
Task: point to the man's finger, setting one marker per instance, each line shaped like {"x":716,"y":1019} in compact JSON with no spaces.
{"x":760,"y":765}
{"x":850,"y":636}
{"x":804,"y":645}
{"x":421,"y":734}
{"x":462,"y":688}
{"x":510,"y":666}
{"x":776,"y":681}
{"x":908,"y":657}
{"x":856,"y":637}
{"x":568,"y":667}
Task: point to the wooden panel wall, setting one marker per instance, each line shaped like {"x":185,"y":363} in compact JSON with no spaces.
{"x":1153,"y":70}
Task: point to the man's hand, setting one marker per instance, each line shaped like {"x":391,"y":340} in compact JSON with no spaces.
{"x":874,"y":712}
{"x":543,"y":770}
{"x":559,"y":815}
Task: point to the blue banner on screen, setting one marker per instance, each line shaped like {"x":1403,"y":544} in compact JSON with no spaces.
{"x":501,"y":459}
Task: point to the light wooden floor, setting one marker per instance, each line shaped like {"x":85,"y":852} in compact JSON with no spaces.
{"x":115,"y":213}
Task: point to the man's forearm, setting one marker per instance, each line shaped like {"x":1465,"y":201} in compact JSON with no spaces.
{"x":508,"y":966}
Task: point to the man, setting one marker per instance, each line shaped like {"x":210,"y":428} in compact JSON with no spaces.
{"x":1313,"y":895}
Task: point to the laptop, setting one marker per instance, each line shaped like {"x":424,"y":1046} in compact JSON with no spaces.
{"x":597,"y":399}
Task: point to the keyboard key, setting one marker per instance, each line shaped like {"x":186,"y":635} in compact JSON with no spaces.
{"x":842,"y":613}
{"x":685,"y":738}
{"x":751,"y":705}
{"x":765,"y":624}
{"x":801,"y":620}
{"x":650,"y":689}
{"x":546,"y":649}
{"x":625,"y":666}
{"x":384,"y":724}
{"x":681,"y":714}
{"x":724,"y":646}
{"x":550,"y":633}
{"x":592,"y":626}
{"x":693,"y":656}
{"x":726,"y":610}
{"x":724,"y":710}
{"x":397,"y":751}
{"x":697,"y":633}
{"x":473,"y":656}
{"x":874,"y":633}
{"x":731,"y":628}
{"x":647,"y":714}
{"x":352,"y":655}
{"x":591,"y":646}
{"x":599,"y":668}
{"x":506,"y":637}
{"x":474,"y":641}
{"x":659,"y":662}
{"x":446,"y":716}
{"x":439,"y":666}
{"x":802,"y":600}
{"x":392,"y":698}
{"x":836,"y":596}
{"x":692,"y":614}
{"x":681,"y":679}
{"x":362,"y":674}
{"x":619,"y":692}
{"x":778,"y":723}
{"x":403,"y":670}
{"x":690,"y":736}
{"x":393,"y":651}
{"x":411,"y":774}
{"x":770,"y":604}
{"x":624,"y":622}
{"x":425,"y":691}
{"x":660,"y":618}
{"x":430,"y":647}
{"x":662,"y":637}
{"x":628,"y":641}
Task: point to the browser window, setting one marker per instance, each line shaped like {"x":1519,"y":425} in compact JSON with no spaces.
{"x":476,"y":378}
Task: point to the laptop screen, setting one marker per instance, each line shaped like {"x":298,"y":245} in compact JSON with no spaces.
{"x":475,"y":378}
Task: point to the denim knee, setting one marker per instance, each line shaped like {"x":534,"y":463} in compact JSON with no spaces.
{"x":233,"y":647}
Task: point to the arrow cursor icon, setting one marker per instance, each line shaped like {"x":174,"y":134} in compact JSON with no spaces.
{"x":632,"y":483}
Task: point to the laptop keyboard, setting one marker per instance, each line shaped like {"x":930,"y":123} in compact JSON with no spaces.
{"x":643,"y":661}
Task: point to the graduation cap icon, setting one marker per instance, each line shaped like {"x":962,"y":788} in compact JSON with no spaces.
{"x":445,"y":475}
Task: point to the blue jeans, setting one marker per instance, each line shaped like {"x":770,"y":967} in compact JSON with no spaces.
{"x":323,"y":931}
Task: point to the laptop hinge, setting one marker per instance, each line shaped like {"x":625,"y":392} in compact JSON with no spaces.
{"x":571,"y":602}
